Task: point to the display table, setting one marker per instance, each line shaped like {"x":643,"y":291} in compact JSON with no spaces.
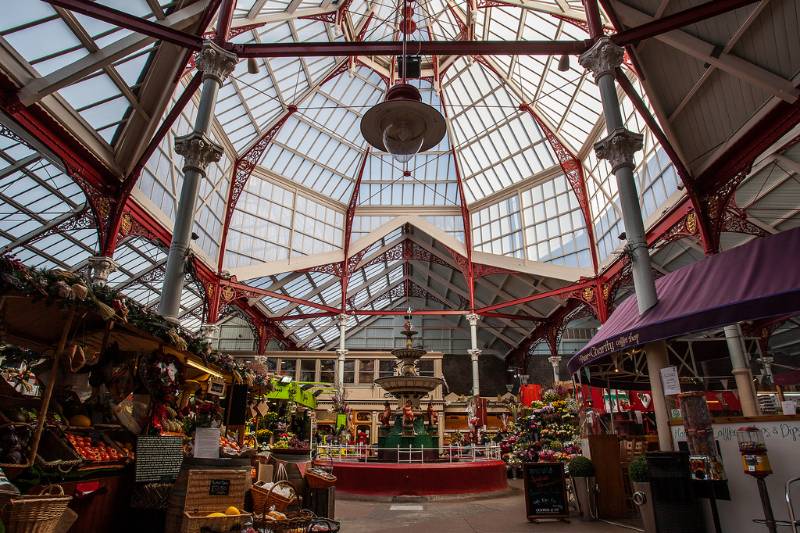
{"x":782,"y":436}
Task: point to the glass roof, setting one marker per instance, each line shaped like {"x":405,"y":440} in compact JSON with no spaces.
{"x":295,"y":203}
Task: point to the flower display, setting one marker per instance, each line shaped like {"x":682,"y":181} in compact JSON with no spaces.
{"x":546,"y":434}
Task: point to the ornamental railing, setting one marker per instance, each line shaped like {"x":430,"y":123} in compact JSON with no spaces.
{"x":359,"y":453}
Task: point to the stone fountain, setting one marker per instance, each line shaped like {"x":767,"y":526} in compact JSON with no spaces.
{"x":408,"y":387}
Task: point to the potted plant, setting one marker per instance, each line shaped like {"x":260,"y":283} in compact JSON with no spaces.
{"x":581,"y":469}
{"x":640,"y":482}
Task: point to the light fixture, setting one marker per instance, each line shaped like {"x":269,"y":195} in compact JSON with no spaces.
{"x":563,"y":63}
{"x":402,"y":125}
{"x":252,"y":65}
{"x":204,"y":368}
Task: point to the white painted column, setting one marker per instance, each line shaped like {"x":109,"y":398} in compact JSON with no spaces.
{"x":555,"y":360}
{"x":210,"y":333}
{"x":341,"y":352}
{"x":741,"y":371}
{"x":656,"y":360}
{"x":474,"y":352}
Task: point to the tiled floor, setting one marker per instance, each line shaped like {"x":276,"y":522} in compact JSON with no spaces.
{"x":496,"y":515}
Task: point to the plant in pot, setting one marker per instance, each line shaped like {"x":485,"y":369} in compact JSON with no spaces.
{"x":640,"y":482}
{"x":581,"y":469}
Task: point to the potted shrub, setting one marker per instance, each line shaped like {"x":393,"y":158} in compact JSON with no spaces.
{"x":640,"y":483}
{"x":581,"y":469}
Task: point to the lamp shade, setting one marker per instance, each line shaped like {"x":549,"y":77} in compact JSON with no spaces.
{"x":402,"y":125}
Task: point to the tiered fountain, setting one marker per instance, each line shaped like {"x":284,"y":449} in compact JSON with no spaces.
{"x":408,"y":387}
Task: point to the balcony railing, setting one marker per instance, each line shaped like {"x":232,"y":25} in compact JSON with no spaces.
{"x":359,"y":453}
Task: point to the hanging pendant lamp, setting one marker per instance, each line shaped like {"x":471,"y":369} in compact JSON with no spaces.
{"x":402,"y":125}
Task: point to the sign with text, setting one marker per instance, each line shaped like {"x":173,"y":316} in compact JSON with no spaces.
{"x":670,"y":381}
{"x":158,"y":458}
{"x":545,"y":490}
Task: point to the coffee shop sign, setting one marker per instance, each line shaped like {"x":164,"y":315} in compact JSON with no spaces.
{"x":784,"y":431}
{"x":610,"y":346}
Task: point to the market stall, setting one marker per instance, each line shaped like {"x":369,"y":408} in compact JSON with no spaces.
{"x":110,"y":411}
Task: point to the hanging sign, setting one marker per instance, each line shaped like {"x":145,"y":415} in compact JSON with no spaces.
{"x":216,"y":386}
{"x":670,"y":381}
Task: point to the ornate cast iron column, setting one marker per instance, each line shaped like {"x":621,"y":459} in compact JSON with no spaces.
{"x":741,"y":371}
{"x":474,"y":353}
{"x":100,"y":267}
{"x":198,"y":151}
{"x":618,"y":148}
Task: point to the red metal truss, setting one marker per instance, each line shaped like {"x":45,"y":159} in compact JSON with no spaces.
{"x":301,"y":316}
{"x":538,"y":296}
{"x":465,"y":263}
{"x":512,"y":316}
{"x":231,"y":290}
{"x":345,"y":266}
{"x":573,"y":171}
{"x":241,"y":173}
{"x":394,"y":48}
{"x":549,"y":330}
{"x":131,"y":22}
{"x":110,"y":242}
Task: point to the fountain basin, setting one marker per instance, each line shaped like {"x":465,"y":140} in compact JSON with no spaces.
{"x":408,"y":386}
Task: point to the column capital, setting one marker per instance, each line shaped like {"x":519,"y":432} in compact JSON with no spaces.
{"x":554,"y":360}
{"x":618,"y":147}
{"x":342,"y":353}
{"x":215,"y":62}
{"x":602,"y":58}
{"x":100,"y":267}
{"x":198,"y":151}
{"x":474,"y":354}
{"x":341,"y":319}
{"x":473,"y":318}
{"x":209,"y":332}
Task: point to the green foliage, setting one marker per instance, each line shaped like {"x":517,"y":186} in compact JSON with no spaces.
{"x":580,"y":466}
{"x":637,"y":470}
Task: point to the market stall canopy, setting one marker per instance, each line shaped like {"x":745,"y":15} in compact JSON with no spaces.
{"x":757,"y":280}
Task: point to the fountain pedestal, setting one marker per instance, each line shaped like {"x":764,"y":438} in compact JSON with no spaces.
{"x":423,"y":437}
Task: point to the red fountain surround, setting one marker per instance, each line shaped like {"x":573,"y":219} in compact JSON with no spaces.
{"x":431,"y":478}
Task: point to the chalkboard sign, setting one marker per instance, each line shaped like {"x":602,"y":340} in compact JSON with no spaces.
{"x":219,"y":487}
{"x":158,"y":458}
{"x":545,"y":490}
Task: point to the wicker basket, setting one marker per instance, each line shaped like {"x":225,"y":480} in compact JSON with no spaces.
{"x":295,"y":521}
{"x":319,"y":479}
{"x":210,"y":491}
{"x":36,"y":513}
{"x":56,"y":454}
{"x":264,"y":499}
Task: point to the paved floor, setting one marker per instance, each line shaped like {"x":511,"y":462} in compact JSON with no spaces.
{"x":496,"y":515}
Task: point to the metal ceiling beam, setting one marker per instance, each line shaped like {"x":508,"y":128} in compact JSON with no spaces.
{"x":393,"y":48}
{"x":124,"y":20}
{"x":678,"y":20}
{"x":38,"y":88}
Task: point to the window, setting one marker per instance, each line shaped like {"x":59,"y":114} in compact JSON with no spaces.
{"x":386,"y":368}
{"x":350,"y":371}
{"x":271,"y":364}
{"x":308,"y":369}
{"x":288,"y":367}
{"x":327,"y":370}
{"x":425,"y":367}
{"x":366,"y":370}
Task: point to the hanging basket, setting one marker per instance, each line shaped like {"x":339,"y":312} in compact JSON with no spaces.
{"x":265,"y":499}
{"x":36,"y":513}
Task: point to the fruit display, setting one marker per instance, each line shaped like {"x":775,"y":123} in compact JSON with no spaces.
{"x":225,"y":442}
{"x":95,"y":449}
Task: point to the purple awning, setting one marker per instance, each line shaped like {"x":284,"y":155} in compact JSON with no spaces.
{"x":759,"y":279}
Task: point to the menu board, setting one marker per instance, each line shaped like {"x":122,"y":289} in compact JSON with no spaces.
{"x":158,"y":458}
{"x":545,"y":490}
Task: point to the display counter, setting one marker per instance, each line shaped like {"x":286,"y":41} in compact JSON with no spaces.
{"x":782,"y":438}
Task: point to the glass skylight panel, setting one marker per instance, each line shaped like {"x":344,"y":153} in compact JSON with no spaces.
{"x":362,"y":225}
{"x":555,"y":231}
{"x":317,"y":228}
{"x":34,"y":193}
{"x":261,"y":224}
{"x":452,"y":225}
{"x":497,"y":229}
{"x":247,"y":104}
